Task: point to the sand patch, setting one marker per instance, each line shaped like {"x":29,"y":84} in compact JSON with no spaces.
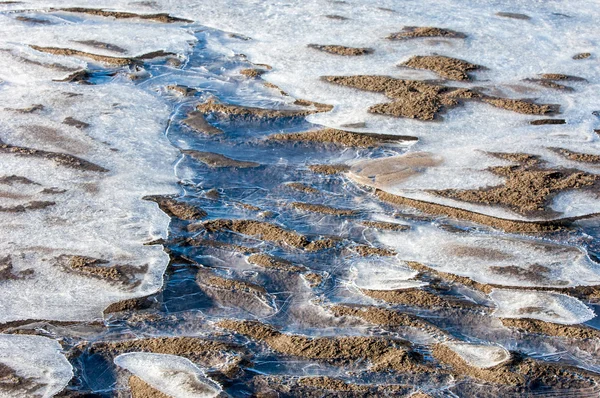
{"x":197,"y":122}
{"x":412,"y":98}
{"x":15,"y":179}
{"x":513,"y":15}
{"x":542,"y":122}
{"x":29,"y":109}
{"x":260,"y":229}
{"x":212,"y":106}
{"x":61,"y":159}
{"x":199,"y":242}
{"x":164,"y":18}
{"x":252,"y":72}
{"x":313,"y":279}
{"x":581,"y":56}
{"x":186,"y":92}
{"x":102,"y":45}
{"x":383,"y":353}
{"x":134,"y":304}
{"x":412,"y":298}
{"x":140,"y":389}
{"x":7,"y":271}
{"x":297,"y":186}
{"x":216,"y":160}
{"x":577,"y":156}
{"x":413,"y":32}
{"x":70,"y":121}
{"x":336,"y":17}
{"x":386,"y":226}
{"x":535,"y":326}
{"x":97,"y":268}
{"x":368,"y":251}
{"x":450,"y":68}
{"x":342,"y":50}
{"x":323,"y":209}
{"x":315,"y":105}
{"x":33,"y":205}
{"x":342,"y":138}
{"x":528,"y":188}
{"x":273,"y":262}
{"x":329,"y":169}
{"x":525,"y":107}
{"x":68,"y":52}
{"x":177,"y":208}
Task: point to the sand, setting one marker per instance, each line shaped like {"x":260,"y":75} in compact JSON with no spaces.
{"x":342,"y":50}
{"x":578,"y":156}
{"x":297,"y":186}
{"x":412,"y":298}
{"x":70,"y":121}
{"x":535,"y":326}
{"x":449,"y":68}
{"x":178,"y":208}
{"x":581,"y":56}
{"x":367,"y":251}
{"x":513,"y":15}
{"x":413,"y":32}
{"x":164,"y":18}
{"x":106,"y":59}
{"x":102,"y":46}
{"x":323,"y":209}
{"x":216,"y":160}
{"x":342,"y":138}
{"x":212,"y":106}
{"x":273,"y":262}
{"x":329,"y":169}
{"x":521,"y":106}
{"x":252,"y":72}
{"x":141,"y":389}
{"x":197,"y":122}
{"x":61,"y":159}
{"x":542,"y":122}
{"x":385,"y":226}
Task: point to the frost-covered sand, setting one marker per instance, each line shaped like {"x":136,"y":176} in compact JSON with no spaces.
{"x":318,"y":198}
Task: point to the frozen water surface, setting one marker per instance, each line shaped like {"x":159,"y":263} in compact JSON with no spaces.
{"x":155,"y":235}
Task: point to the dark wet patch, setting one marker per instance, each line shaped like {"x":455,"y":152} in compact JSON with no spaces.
{"x":134,"y":304}
{"x":450,"y":68}
{"x":29,"y":109}
{"x":97,"y":268}
{"x":33,"y":205}
{"x":217,"y":160}
{"x":33,"y":20}
{"x":214,"y":244}
{"x":342,"y":50}
{"x":342,"y":138}
{"x":528,"y":188}
{"x":14,"y":179}
{"x":336,"y":17}
{"x":184,"y":91}
{"x":197,"y":122}
{"x":413,"y":32}
{"x":581,"y":56}
{"x":7,"y":271}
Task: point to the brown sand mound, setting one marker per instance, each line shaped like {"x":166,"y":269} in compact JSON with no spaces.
{"x":252,"y":72}
{"x":413,"y":298}
{"x":450,"y":68}
{"x":176,"y":208}
{"x":582,"y":56}
{"x":386,"y":226}
{"x":251,"y":112}
{"x":140,"y":389}
{"x":217,"y":160}
{"x":134,"y":304}
{"x":578,"y":156}
{"x":230,"y":284}
{"x":76,"y":53}
{"x":389,"y":171}
{"x":528,"y":188}
{"x":277,"y":263}
{"x":561,"y":76}
{"x":513,"y":226}
{"x":323,"y":209}
{"x":342,"y":138}
{"x":197,"y":350}
{"x":316,"y":105}
{"x":412,"y":98}
{"x":551,"y":329}
{"x":329,"y":169}
{"x":164,"y":18}
{"x":521,"y":106}
{"x":342,"y":50}
{"x":302,"y":187}
{"x":196,"y":121}
{"x":313,"y":279}
{"x":384,"y":317}
{"x":367,"y":251}
{"x":513,"y":15}
{"x":413,"y":32}
{"x":550,"y":84}
{"x":102,"y":45}
{"x":542,"y":122}
{"x":383,"y":353}
{"x":261,"y":229}
{"x":61,"y":159}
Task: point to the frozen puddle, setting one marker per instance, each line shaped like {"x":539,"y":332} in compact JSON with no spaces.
{"x":341,"y":198}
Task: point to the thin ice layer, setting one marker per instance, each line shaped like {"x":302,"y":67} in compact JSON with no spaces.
{"x":544,"y":306}
{"x":36,"y":363}
{"x":175,"y":376}
{"x":480,"y":355}
{"x":494,"y":259}
{"x":382,"y":274}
